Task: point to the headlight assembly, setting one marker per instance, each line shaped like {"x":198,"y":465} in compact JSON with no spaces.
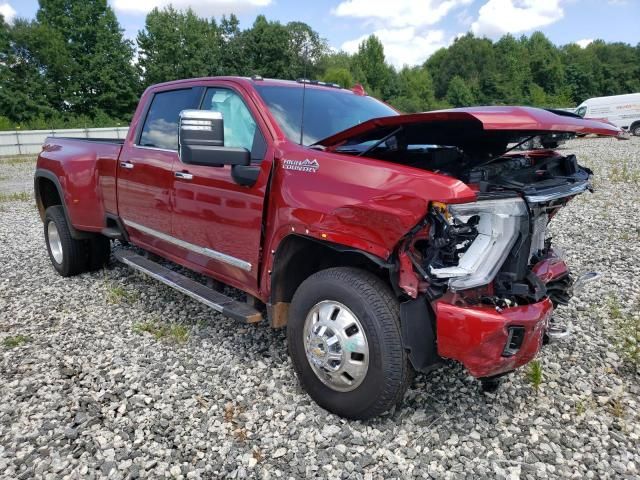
{"x":497,"y":223}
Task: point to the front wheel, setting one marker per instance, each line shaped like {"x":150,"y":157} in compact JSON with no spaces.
{"x":635,"y":129}
{"x":345,"y":343}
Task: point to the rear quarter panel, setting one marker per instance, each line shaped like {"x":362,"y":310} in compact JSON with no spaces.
{"x":86,"y":173}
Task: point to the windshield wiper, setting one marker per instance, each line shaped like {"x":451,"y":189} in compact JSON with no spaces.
{"x":382,"y":140}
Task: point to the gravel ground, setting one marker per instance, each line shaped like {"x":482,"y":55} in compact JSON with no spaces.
{"x":111,"y":375}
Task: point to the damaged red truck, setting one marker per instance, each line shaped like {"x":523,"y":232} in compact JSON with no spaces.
{"x":385,"y":243}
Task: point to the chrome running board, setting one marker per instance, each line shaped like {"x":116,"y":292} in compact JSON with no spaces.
{"x":217,"y":301}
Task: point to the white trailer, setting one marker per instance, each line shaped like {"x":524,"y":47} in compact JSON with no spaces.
{"x":621,"y":110}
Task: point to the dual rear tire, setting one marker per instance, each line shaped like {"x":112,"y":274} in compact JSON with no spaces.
{"x":68,"y":255}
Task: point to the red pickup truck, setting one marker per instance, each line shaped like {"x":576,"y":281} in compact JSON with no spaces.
{"x":385,"y":243}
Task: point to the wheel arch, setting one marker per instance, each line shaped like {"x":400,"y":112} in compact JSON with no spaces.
{"x":299,"y":257}
{"x":48,"y":192}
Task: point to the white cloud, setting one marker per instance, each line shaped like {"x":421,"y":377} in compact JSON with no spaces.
{"x":202,"y":7}
{"x":401,"y":26}
{"x":403,"y":46}
{"x":8,"y":12}
{"x":497,"y":17}
{"x":584,"y":42}
{"x":399,"y":13}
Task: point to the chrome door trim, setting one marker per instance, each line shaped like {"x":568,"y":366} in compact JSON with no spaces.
{"x":214,"y":254}
{"x":157,"y":149}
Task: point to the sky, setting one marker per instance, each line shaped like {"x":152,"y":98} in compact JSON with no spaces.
{"x":410,"y":30}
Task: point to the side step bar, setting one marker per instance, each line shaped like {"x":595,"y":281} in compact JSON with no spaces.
{"x":212,"y":298}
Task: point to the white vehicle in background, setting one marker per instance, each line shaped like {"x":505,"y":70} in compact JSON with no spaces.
{"x":623,"y":111}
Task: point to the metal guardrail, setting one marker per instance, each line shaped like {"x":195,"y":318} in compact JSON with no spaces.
{"x":23,"y":142}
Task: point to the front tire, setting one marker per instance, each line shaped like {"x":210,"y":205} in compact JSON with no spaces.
{"x":68,"y":256}
{"x":635,"y":129}
{"x":345,"y":343}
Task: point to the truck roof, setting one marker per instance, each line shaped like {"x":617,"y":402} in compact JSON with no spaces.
{"x":256,"y":80}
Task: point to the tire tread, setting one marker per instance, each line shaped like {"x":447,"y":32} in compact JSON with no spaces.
{"x":398,"y":372}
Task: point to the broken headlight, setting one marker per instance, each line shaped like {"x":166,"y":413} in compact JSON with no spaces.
{"x":497,"y":224}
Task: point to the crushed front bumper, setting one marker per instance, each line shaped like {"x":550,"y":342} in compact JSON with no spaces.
{"x":490,"y":341}
{"x":480,"y":337}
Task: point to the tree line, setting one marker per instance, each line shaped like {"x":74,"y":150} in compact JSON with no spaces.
{"x":71,"y":65}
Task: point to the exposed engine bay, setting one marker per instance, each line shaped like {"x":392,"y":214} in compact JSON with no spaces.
{"x":486,"y":252}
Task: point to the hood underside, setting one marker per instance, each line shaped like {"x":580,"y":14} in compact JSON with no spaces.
{"x":487,"y":129}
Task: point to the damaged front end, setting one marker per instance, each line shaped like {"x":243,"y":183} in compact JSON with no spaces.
{"x":488,"y":268}
{"x":485,"y":273}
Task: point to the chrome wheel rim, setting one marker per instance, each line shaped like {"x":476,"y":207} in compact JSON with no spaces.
{"x":336,"y":346}
{"x":55,"y":245}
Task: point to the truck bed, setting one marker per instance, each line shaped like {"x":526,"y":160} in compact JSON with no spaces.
{"x":79,"y":163}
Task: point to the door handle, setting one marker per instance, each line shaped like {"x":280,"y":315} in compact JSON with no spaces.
{"x":127,"y":165}
{"x":183,"y":175}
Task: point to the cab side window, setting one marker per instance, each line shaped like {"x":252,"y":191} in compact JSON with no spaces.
{"x":581,"y":111}
{"x":160,"y":129}
{"x":240,"y":128}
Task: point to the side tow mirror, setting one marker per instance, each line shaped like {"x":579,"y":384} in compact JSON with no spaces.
{"x":201,"y":141}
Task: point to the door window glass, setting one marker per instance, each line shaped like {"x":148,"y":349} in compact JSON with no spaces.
{"x":160,"y":128}
{"x":581,"y":111}
{"x":239,"y":125}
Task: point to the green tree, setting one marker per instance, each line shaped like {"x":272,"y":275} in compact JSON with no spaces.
{"x":338,"y":75}
{"x":168,"y":31}
{"x":103,"y":78}
{"x":306,"y":48}
{"x":369,"y":67}
{"x":470,"y":58}
{"x":545,"y":63}
{"x":513,"y":74}
{"x":268,"y":48}
{"x":459,"y":94}
{"x":583,"y":72}
{"x":34,"y":74}
{"x":233,"y":58}
{"x":415,"y":91}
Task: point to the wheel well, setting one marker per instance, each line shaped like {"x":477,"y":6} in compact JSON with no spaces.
{"x":299,"y":257}
{"x":47,"y":194}
{"x":634,"y":124}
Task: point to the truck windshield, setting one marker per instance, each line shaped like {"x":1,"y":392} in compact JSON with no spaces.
{"x":326,"y":111}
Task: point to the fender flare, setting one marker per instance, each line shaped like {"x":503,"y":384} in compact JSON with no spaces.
{"x":49,"y":175}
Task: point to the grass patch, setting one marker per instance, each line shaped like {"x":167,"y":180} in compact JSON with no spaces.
{"x":258,"y":455}
{"x":583,"y":405}
{"x":534,"y":374}
{"x":17,"y":160}
{"x":15,"y":197}
{"x":117,"y":294}
{"x":172,"y":332}
{"x":614,"y":306}
{"x":623,"y":172}
{"x":625,"y":331}
{"x":617,"y":408}
{"x":15,"y":341}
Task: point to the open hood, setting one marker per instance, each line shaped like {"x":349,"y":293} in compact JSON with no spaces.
{"x":486,"y":129}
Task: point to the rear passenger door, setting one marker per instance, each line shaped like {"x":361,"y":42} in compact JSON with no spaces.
{"x":145,"y":169}
{"x":218,"y":218}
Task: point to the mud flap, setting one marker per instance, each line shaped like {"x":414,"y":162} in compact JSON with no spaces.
{"x":418,"y":334}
